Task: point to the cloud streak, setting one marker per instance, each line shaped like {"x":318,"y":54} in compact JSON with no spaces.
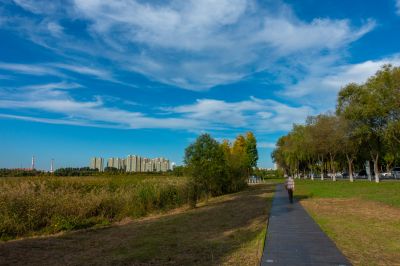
{"x":55,"y":105}
{"x":191,"y":44}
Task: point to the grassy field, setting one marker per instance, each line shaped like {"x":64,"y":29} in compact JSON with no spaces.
{"x":363,"y":218}
{"x":46,"y":205}
{"x":227,"y":230}
{"x":387,"y":192}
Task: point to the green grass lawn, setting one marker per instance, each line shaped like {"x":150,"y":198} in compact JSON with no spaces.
{"x":387,"y":192}
{"x":362,"y":218}
{"x":227,"y":230}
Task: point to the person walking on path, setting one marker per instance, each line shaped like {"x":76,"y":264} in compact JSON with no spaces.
{"x":289,"y":184}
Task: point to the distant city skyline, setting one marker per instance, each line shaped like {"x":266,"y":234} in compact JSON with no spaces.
{"x":82,"y":78}
{"x":105,"y":163}
{"x":131,"y":163}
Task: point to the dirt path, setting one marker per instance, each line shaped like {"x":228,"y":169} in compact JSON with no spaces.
{"x":227,"y":230}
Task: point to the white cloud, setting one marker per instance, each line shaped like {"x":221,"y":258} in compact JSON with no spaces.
{"x":63,"y":85}
{"x":249,"y":114}
{"x":29,"y":69}
{"x":398,"y":7}
{"x":291,"y":36}
{"x":55,"y":100}
{"x":323,"y":83}
{"x":206,"y":114}
{"x":191,"y":44}
{"x":40,"y":6}
{"x":84,"y":70}
{"x":55,"y":28}
{"x":53,"y":121}
{"x":57,"y":69}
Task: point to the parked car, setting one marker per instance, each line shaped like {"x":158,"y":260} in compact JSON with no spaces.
{"x":386,"y":175}
{"x":339,"y":175}
{"x":396,"y":172}
{"x":345,"y":175}
{"x":363,"y":174}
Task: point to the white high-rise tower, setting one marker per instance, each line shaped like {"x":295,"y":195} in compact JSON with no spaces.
{"x":52,"y":166}
{"x":33,"y":163}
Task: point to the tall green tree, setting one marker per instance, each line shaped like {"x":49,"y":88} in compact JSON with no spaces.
{"x":366,"y":127}
{"x":240,"y":156}
{"x":349,"y":145}
{"x":372,"y":107}
{"x":251,"y":149}
{"x":206,"y":165}
{"x":319,"y":132}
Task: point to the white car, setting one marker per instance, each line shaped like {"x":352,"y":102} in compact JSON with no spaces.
{"x":386,"y":175}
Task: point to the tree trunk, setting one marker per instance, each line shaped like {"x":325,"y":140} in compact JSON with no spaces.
{"x":350,"y":162}
{"x":333,"y":167}
{"x":376,"y":169}
{"x":388,"y":167}
{"x":322,"y":167}
{"x":298,"y":169}
{"x":312,"y":172}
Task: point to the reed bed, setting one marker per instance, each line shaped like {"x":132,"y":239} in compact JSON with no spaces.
{"x":46,"y":205}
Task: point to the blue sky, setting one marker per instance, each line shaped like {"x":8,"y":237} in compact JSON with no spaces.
{"x":85,"y":78}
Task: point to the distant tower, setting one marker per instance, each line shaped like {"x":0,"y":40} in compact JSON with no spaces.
{"x":52,"y":166}
{"x":33,"y":163}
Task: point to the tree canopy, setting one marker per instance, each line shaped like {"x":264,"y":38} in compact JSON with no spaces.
{"x":216,"y":168}
{"x":365,"y":126}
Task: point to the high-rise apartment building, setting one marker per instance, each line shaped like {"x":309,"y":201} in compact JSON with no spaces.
{"x":142,"y":165}
{"x":132,"y":163}
{"x":97,"y":163}
{"x":117,"y":163}
{"x":161,"y":164}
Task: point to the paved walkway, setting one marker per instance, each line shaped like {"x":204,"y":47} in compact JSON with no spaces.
{"x":293,"y":238}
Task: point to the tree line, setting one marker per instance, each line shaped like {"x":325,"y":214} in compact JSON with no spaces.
{"x":364,"y":127}
{"x":216,"y":168}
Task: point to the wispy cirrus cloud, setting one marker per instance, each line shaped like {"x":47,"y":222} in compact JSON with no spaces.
{"x":190,"y":44}
{"x":55,"y":101}
{"x":29,"y":69}
{"x":56,"y":105}
{"x":56,"y":69}
{"x":263,"y":115}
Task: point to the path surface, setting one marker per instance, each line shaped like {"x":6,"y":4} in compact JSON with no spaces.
{"x":293,"y":238}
